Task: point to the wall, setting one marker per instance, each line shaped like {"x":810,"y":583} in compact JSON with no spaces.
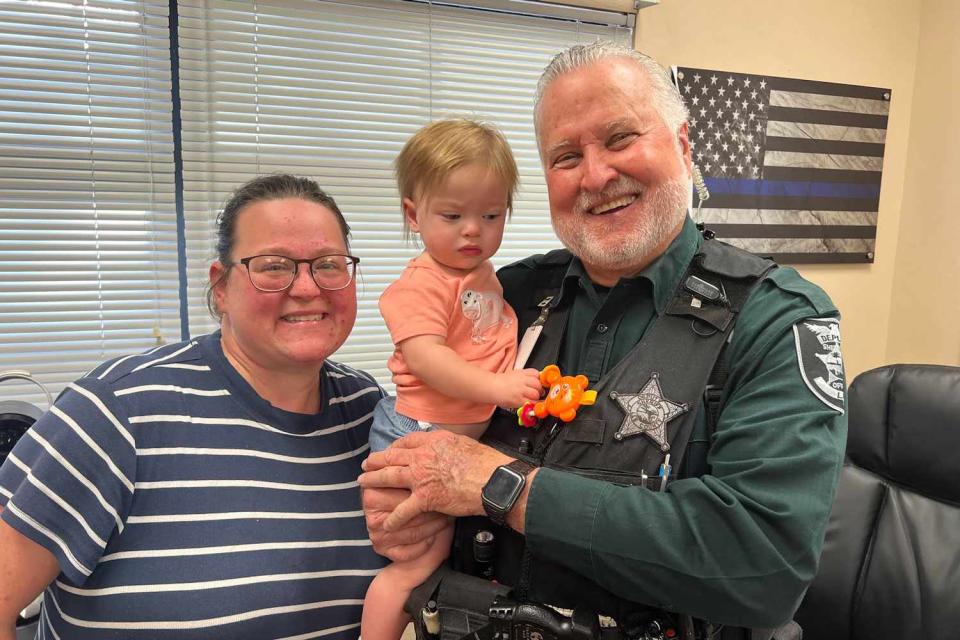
{"x":925,"y":314}
{"x":868,"y":42}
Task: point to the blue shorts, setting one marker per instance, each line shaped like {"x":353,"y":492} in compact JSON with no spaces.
{"x":388,"y":425}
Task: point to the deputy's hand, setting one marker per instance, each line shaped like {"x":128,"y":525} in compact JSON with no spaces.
{"x":407,"y":543}
{"x":444,"y":472}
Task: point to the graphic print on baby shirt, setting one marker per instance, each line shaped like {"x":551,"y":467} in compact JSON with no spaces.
{"x":485,"y":310}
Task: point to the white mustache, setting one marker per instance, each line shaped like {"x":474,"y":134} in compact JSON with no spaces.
{"x":624,"y":186}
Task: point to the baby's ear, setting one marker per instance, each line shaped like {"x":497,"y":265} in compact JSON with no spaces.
{"x":410,"y":214}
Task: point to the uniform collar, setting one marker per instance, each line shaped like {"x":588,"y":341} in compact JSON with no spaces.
{"x":663,"y":274}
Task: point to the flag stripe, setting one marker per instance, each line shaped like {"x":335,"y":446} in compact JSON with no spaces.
{"x":821,"y":175}
{"x":792,"y":231}
{"x":826,"y":88}
{"x":765,"y":246}
{"x":739,"y":201}
{"x":778,"y":128}
{"x":718,"y":186}
{"x":828,"y":102}
{"x":823,"y":116}
{"x":793,"y":166}
{"x":821,"y":160}
{"x":821,"y":258}
{"x":776,"y":143}
{"x":787,"y":216}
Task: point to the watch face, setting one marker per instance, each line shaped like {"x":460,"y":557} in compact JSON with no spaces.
{"x":503,"y":487}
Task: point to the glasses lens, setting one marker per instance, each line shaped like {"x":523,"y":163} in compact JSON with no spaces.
{"x":271,"y":273}
{"x":332,"y":272}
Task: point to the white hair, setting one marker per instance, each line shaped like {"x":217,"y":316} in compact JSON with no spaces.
{"x":664,"y":95}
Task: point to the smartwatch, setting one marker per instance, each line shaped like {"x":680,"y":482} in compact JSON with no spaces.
{"x":503,"y":488}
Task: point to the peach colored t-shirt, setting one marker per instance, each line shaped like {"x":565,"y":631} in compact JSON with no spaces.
{"x":469,"y":312}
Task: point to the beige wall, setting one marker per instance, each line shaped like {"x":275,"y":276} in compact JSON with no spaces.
{"x":925,"y":314}
{"x":868,"y":42}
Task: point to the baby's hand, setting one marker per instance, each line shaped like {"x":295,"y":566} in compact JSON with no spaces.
{"x":514,"y":388}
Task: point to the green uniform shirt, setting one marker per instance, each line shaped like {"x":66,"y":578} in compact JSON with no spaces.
{"x":740,"y":544}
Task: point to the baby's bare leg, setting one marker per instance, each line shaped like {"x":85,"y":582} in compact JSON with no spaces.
{"x":383,"y":615}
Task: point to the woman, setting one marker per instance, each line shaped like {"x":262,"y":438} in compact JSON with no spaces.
{"x":207,"y":489}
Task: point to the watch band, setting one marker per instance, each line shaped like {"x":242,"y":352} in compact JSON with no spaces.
{"x":521,"y":467}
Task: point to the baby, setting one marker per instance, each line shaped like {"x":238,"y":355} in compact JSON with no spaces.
{"x":455,"y":336}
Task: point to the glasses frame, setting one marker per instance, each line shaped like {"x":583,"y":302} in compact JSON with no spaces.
{"x":296,"y":269}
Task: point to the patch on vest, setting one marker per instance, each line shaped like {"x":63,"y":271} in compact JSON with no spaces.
{"x":821,"y":364}
{"x":648,"y":412}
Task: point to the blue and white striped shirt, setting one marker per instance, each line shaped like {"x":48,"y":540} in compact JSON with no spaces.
{"x":180,"y":504}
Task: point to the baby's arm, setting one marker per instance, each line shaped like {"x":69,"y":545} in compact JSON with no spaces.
{"x":442,"y":368}
{"x":383,"y":614}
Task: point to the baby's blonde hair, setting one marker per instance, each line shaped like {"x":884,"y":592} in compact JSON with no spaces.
{"x":436,"y":150}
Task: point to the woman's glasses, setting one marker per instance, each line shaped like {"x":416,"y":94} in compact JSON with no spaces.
{"x":272,"y":273}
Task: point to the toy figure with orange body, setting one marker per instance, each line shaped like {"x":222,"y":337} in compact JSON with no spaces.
{"x":566,"y":395}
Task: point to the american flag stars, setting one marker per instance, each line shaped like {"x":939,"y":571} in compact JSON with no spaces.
{"x":725,"y":111}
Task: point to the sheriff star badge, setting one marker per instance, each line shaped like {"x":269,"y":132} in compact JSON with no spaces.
{"x":648,"y":413}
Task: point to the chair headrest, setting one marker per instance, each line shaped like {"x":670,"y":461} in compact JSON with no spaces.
{"x":905,"y":426}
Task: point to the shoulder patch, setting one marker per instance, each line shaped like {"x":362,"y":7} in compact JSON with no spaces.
{"x":821,"y":364}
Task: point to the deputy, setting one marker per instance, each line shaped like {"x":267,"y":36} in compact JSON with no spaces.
{"x":701,"y":352}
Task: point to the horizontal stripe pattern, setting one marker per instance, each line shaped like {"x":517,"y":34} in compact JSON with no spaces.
{"x":821,"y":174}
{"x":823,"y":161}
{"x":792,"y":155}
{"x":800,"y":100}
{"x":796,"y":231}
{"x":809,"y":251}
{"x":791,"y":188}
{"x":255,"y":508}
{"x":776,"y":128}
{"x":789,"y":216}
{"x":238,"y":548}
{"x":825,"y":116}
{"x":827,"y":147}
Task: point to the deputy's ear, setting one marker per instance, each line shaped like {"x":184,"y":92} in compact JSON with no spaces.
{"x":683,"y":137}
{"x":410,"y":214}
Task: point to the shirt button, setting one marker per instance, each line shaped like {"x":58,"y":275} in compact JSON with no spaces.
{"x":602,"y":328}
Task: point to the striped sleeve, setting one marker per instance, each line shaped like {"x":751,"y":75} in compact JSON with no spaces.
{"x":69,"y":481}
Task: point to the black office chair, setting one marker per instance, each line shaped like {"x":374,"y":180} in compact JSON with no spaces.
{"x":890,"y":567}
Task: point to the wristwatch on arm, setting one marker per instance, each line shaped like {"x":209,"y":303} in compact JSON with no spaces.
{"x":504,"y":487}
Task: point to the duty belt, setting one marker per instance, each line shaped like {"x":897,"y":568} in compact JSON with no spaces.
{"x":454,"y":606}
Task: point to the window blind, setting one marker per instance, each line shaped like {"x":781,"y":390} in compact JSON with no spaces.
{"x":88,"y":242}
{"x":332,"y":90}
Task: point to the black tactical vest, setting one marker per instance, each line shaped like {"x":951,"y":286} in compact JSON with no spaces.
{"x":660,"y":382}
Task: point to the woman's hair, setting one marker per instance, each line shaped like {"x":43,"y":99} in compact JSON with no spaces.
{"x":436,"y":150}
{"x":263,"y":189}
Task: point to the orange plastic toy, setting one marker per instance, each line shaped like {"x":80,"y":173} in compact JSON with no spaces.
{"x":566,"y":395}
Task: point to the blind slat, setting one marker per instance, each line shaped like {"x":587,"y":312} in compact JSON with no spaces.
{"x":88,"y":240}
{"x":332,"y":90}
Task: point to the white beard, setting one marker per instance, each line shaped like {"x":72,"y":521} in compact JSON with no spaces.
{"x":622,"y":244}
